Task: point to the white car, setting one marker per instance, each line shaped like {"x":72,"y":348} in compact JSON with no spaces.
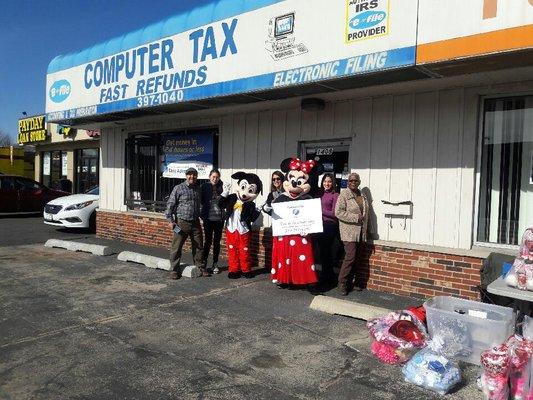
{"x":75,"y":211}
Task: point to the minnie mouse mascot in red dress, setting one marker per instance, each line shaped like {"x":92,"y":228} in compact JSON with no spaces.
{"x":292,"y":255}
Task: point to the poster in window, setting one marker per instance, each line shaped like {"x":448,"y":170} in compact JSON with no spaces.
{"x":46,"y":164}
{"x":64,"y":164}
{"x":183,"y":151}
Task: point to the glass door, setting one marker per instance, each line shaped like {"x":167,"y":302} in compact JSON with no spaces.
{"x":87,"y":169}
{"x":332,"y":154}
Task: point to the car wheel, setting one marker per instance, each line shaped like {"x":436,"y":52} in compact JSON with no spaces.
{"x":92,"y":222}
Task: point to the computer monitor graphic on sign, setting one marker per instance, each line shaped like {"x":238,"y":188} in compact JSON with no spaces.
{"x":281,"y":38}
{"x":284,"y":25}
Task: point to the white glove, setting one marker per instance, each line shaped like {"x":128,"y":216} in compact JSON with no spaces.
{"x":226,"y":189}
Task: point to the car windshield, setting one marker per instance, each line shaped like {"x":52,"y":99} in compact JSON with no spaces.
{"x":95,"y":190}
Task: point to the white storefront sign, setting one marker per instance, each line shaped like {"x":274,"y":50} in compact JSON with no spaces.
{"x":458,"y":28}
{"x":287,"y":43}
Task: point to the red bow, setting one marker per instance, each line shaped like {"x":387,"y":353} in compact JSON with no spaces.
{"x":304,"y":166}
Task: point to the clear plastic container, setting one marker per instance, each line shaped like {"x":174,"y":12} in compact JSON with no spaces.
{"x":468,"y":327}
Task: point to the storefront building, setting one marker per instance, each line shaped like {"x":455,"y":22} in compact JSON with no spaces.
{"x":65,"y":158}
{"x":432,"y":114}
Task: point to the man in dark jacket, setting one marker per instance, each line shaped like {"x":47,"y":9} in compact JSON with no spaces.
{"x":183,"y":215}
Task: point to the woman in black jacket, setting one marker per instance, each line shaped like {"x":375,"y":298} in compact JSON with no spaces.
{"x":212,"y":217}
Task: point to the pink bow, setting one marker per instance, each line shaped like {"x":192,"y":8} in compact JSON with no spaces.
{"x":305,"y":166}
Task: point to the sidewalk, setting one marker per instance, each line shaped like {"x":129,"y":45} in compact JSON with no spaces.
{"x":370,"y":297}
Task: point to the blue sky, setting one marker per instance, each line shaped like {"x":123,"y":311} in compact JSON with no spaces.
{"x":34,"y":32}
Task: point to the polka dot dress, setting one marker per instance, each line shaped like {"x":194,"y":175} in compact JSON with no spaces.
{"x":292,"y":260}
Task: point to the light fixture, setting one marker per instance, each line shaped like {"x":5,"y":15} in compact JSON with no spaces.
{"x":312,"y":104}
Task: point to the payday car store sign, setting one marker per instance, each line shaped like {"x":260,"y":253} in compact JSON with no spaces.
{"x":32,"y":129}
{"x":284,"y":43}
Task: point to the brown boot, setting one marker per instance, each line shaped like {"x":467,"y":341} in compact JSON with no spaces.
{"x":343,"y":289}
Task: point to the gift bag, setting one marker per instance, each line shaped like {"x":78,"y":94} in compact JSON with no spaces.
{"x":397,"y":336}
{"x":430,"y":369}
{"x":496,"y":365}
{"x":520,"y":351}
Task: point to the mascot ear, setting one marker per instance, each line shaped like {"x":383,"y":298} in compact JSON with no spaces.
{"x":284,"y":166}
{"x":239,"y":175}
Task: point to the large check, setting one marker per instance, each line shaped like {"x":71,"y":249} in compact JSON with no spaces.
{"x":297,"y":217}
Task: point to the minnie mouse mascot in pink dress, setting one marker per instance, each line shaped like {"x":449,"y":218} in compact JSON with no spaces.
{"x":292,"y":255}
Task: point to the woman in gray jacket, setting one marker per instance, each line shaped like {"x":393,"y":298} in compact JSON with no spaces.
{"x":352,"y":212}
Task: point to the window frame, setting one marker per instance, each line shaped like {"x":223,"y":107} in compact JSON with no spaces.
{"x":160,"y":205}
{"x":478,"y":166}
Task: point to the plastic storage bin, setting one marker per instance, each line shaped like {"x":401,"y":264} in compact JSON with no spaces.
{"x":468,"y":327}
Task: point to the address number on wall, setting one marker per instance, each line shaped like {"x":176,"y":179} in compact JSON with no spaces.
{"x":326,"y":151}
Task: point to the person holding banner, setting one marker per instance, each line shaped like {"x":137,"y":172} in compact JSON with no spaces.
{"x":182,"y":213}
{"x":292,"y":254}
{"x":212,"y":217}
{"x":352,"y":211}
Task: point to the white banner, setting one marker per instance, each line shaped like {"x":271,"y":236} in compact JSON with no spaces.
{"x":297,"y":217}
{"x":177,"y":169}
{"x":286,"y":43}
{"x":46,"y":164}
{"x":64,"y":163}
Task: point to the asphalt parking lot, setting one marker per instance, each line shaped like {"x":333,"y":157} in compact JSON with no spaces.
{"x":78,"y":326}
{"x":30,"y":229}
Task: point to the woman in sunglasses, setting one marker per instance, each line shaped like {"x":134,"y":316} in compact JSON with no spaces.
{"x":352,"y":212}
{"x":276,"y":188}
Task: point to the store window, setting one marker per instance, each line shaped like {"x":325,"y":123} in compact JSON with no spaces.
{"x":506,"y":174}
{"x":87,"y":169}
{"x":54,"y":168}
{"x":156,"y":162}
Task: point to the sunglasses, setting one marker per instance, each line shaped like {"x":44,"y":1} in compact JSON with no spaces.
{"x":354,"y":180}
{"x":276,"y":179}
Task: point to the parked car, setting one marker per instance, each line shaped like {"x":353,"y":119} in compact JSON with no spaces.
{"x":22,"y":195}
{"x":74,"y":211}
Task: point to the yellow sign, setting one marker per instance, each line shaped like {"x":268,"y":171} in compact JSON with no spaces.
{"x":65,"y":130}
{"x":32,"y":130}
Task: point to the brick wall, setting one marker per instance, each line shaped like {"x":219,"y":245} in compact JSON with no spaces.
{"x":387,"y":269}
{"x":420,"y":273}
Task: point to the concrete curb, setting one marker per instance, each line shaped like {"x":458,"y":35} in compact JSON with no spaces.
{"x":95,"y":249}
{"x":348,"y":308}
{"x":149,"y":261}
{"x":189,"y":271}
